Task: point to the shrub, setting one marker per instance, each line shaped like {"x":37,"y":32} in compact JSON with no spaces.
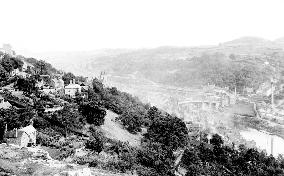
{"x":96,"y":141}
{"x":65,"y":153}
{"x":93,"y":113}
{"x":95,"y":145}
{"x":168,"y":130}
{"x":92,"y":162}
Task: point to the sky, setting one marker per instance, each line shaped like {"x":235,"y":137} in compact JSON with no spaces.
{"x":75,"y":25}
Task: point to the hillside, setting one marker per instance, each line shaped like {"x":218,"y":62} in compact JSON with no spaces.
{"x":115,"y":131}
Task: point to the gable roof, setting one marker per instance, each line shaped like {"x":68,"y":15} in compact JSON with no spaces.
{"x":5,"y":105}
{"x":28,"y":129}
{"x":73,"y":86}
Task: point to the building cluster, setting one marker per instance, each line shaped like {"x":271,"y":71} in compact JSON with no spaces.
{"x":56,"y":85}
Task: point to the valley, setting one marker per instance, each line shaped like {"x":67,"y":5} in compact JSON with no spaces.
{"x":223,"y":121}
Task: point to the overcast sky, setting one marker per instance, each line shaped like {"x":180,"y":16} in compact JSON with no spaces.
{"x":66,"y":25}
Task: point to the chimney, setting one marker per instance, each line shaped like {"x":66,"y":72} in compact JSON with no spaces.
{"x":6,"y":128}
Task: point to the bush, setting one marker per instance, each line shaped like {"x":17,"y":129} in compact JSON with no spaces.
{"x":65,"y":153}
{"x":169,"y":131}
{"x":146,"y":171}
{"x":132,"y":121}
{"x":92,"y":162}
{"x":96,"y":141}
{"x":93,"y":113}
{"x":95,"y":144}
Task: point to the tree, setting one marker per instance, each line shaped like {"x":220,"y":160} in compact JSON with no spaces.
{"x":98,"y":86}
{"x":41,"y":68}
{"x":17,"y":63}
{"x":158,"y":157}
{"x":93,"y":113}
{"x":28,"y":85}
{"x":169,"y":131}
{"x":7,"y":64}
{"x":3,"y":74}
{"x":153,"y":113}
{"x":67,"y":77}
{"x":216,"y":140}
{"x":132,"y":120}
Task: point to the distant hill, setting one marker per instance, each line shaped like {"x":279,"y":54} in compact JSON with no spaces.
{"x":252,"y":41}
{"x":181,"y":66}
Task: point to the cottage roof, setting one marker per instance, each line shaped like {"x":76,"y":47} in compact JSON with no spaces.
{"x":73,"y":86}
{"x":5,"y":105}
{"x":28,"y":129}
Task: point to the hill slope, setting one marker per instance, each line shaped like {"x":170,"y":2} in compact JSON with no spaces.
{"x":114,"y":130}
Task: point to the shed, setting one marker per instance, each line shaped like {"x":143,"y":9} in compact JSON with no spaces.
{"x":4,"y":104}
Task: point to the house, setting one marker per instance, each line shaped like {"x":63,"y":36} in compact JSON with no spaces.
{"x":4,"y":104}
{"x":23,"y":137}
{"x":72,"y":88}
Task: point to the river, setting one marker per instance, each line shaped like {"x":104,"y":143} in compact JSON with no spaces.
{"x":271,"y":143}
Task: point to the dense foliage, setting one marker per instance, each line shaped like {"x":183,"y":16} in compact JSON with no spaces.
{"x":27,"y":85}
{"x":214,"y":158}
{"x":93,"y":113}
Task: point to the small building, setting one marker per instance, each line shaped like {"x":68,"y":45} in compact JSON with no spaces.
{"x":72,"y":89}
{"x":4,"y":104}
{"x":23,"y":137}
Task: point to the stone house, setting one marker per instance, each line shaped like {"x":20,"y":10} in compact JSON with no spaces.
{"x":23,"y":137}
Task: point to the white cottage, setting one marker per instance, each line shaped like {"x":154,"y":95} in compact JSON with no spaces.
{"x":4,"y":104}
{"x":72,"y":88}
